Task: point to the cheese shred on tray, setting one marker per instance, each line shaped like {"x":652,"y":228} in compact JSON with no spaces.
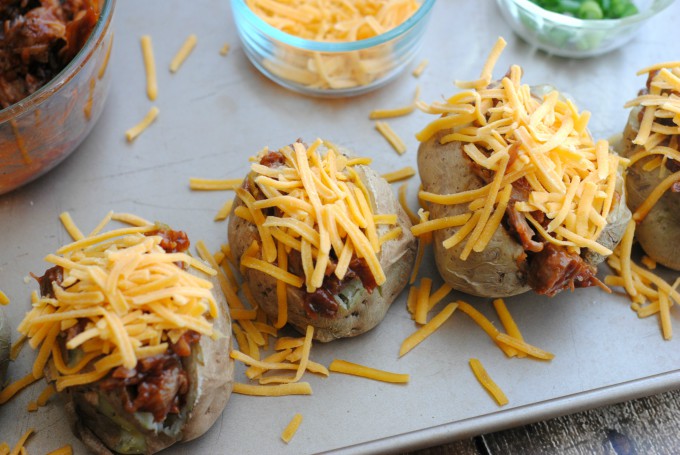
{"x":528,"y":176}
{"x":129,"y":330}
{"x":321,"y":239}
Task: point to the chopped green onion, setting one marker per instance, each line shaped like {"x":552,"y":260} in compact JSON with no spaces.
{"x":590,"y":9}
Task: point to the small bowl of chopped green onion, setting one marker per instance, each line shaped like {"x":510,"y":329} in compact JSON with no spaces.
{"x":579,"y":28}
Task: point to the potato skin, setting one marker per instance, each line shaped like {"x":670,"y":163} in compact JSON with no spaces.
{"x":496,"y":271}
{"x":212,"y":377}
{"x":659,"y":231}
{"x":396,"y":258}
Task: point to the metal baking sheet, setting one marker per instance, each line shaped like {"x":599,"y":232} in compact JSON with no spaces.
{"x":215,"y":113}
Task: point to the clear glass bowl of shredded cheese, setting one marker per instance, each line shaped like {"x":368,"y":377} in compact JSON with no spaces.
{"x":345,"y":49}
{"x":568,"y":36}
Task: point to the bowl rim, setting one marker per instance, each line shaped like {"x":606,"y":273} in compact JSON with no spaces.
{"x":68,"y":72}
{"x":244,"y":12}
{"x":656,"y":7}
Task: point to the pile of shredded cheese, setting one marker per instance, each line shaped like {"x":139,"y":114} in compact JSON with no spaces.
{"x":134,"y":298}
{"x":324,"y":206}
{"x":658,"y":142}
{"x":508,"y":131}
{"x":333,"y":21}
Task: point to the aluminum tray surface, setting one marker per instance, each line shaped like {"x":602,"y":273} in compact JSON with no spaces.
{"x":217,"y":111}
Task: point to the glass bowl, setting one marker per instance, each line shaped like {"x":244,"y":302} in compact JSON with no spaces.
{"x":304,"y":65}
{"x":41,"y":130}
{"x":568,"y":36}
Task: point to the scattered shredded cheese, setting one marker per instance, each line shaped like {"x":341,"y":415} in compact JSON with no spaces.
{"x":65,"y":450}
{"x":428,"y":329}
{"x":508,"y":322}
{"x":524,"y":347}
{"x":487,"y":326}
{"x":12,"y":389}
{"x":139,"y":128}
{"x":184,"y":51}
{"x":224,"y":50}
{"x":486,"y":382}
{"x":354,"y":369}
{"x":388,"y":133}
{"x":150,"y":66}
{"x":277,"y":390}
{"x":70,"y":226}
{"x":291,"y":428}
{"x":199,"y":184}
{"x":418,"y":71}
{"x":395,"y":112}
{"x":4,"y":300}
{"x":649,"y":293}
{"x":401,"y":174}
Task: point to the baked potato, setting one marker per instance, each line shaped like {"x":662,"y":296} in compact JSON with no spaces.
{"x":658,"y":225}
{"x":140,"y":340}
{"x":5,"y":343}
{"x":503,"y":171}
{"x":340,"y":300}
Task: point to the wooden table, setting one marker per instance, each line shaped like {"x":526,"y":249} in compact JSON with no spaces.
{"x":642,"y":426}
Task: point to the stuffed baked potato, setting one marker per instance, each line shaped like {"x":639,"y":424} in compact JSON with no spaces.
{"x":651,"y":140}
{"x":519,"y":195}
{"x":137,"y":341}
{"x":332,"y":227}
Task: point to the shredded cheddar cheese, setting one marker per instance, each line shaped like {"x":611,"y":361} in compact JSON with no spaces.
{"x":129,"y":294}
{"x":183,"y":53}
{"x":224,"y":50}
{"x":333,"y":21}
{"x":508,"y":322}
{"x":400,"y":174}
{"x":65,"y":450}
{"x":512,"y":134}
{"x":354,"y":369}
{"x":397,"y":111}
{"x":276,"y":390}
{"x":4,"y":300}
{"x":17,"y":386}
{"x":150,"y":66}
{"x":389,"y":134}
{"x":488,"y":383}
{"x":418,"y":70}
{"x":139,"y":128}
{"x":291,"y":428}
{"x":199,"y":184}
{"x":323,"y":206}
{"x":428,"y":329}
{"x":649,"y":293}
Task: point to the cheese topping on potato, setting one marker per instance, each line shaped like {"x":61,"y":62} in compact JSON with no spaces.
{"x":658,"y":136}
{"x":321,"y":208}
{"x":114,"y":298}
{"x":541,"y":145}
